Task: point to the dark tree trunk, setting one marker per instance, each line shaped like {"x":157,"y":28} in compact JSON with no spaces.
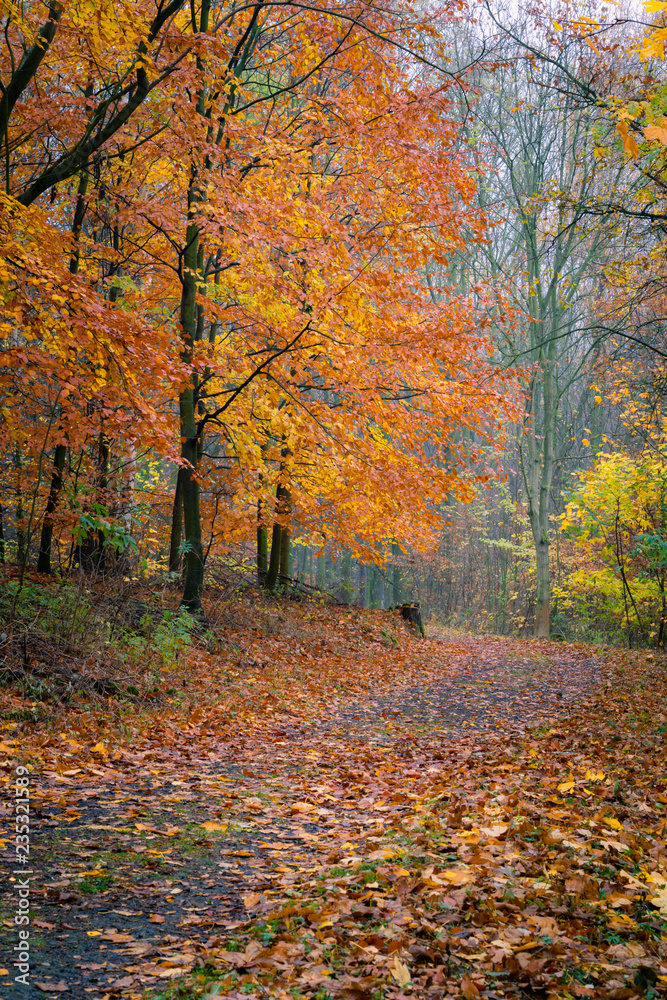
{"x":176,"y":525}
{"x":193,"y":582}
{"x":194,"y":554}
{"x":44,"y":558}
{"x":274,"y":561}
{"x":262,"y":555}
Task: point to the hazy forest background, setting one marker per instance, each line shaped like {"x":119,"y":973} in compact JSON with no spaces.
{"x":364,"y":299}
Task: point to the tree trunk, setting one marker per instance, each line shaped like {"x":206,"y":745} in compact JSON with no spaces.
{"x":21,"y":553}
{"x":274,"y":561}
{"x":176,"y":525}
{"x":543,"y":602}
{"x":103,"y":456}
{"x":194,"y":554}
{"x":193,"y":579}
{"x":2,"y":537}
{"x":262,"y":555}
{"x":44,"y":558}
{"x":285,"y":553}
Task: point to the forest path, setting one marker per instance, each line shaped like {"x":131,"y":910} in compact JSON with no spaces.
{"x":146,"y":860}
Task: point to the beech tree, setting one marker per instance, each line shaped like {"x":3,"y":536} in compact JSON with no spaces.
{"x":243,"y":234}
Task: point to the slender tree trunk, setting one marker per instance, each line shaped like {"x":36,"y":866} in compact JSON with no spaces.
{"x":103,"y":457}
{"x":176,"y":525}
{"x":274,"y":560}
{"x":262,"y":555}
{"x":20,"y":528}
{"x":2,"y":538}
{"x":192,"y":323}
{"x":538,"y":476}
{"x":193,"y":579}
{"x":44,"y":558}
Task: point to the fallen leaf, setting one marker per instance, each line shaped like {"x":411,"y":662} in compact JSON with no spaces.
{"x":660,"y":900}
{"x":468,"y":988}
{"x":400,"y":972}
{"x":457,"y":876}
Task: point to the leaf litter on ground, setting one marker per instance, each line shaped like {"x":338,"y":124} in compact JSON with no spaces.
{"x":352,"y":812}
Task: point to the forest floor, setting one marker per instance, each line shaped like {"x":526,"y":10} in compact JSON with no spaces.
{"x":330,"y":807}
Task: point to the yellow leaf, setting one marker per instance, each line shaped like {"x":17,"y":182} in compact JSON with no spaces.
{"x":400,"y":972}
{"x":93,"y":933}
{"x":655,"y":132}
{"x":210,"y":825}
{"x":99,"y":748}
{"x":613,"y":823}
{"x":652,"y":6}
{"x":567,"y":786}
{"x":594,"y":776}
{"x":558,"y":26}
{"x":629,"y":143}
{"x":586,"y":443}
{"x":457,"y":876}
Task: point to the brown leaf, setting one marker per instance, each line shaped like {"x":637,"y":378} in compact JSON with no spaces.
{"x":120,"y":984}
{"x":469,"y":989}
{"x":60,"y":987}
